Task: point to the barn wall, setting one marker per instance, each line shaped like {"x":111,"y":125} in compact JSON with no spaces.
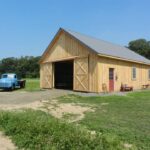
{"x":123,"y":70}
{"x":46,"y":75}
{"x":93,"y":73}
{"x":66,"y":47}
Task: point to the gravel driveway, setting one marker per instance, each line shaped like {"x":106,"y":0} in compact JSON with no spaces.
{"x":23,"y":97}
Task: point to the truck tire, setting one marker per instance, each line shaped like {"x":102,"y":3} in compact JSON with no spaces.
{"x":12,"y":88}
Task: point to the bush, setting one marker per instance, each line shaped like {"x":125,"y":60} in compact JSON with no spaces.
{"x":40,"y":131}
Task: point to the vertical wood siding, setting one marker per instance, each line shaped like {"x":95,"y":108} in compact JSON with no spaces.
{"x":93,"y":73}
{"x":66,"y":47}
{"x":81,"y":74}
{"x":123,"y":71}
{"x":46,"y":76}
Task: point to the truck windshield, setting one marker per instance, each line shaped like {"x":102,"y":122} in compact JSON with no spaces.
{"x":8,"y":76}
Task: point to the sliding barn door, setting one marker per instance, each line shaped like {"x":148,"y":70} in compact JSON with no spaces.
{"x":46,"y":75}
{"x":81,"y":81}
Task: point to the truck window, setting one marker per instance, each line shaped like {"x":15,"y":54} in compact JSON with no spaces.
{"x":4,"y":76}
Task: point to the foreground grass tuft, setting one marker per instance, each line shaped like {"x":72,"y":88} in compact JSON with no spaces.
{"x":38,"y":130}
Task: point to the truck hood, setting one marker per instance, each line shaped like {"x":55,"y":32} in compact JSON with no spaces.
{"x":3,"y":80}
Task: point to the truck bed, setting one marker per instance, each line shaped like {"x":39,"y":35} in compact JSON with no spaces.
{"x":22,"y":83}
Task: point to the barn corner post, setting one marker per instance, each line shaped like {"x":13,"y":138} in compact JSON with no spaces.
{"x":41,"y":76}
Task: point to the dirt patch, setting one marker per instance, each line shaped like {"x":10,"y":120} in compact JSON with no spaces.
{"x":23,"y":97}
{"x":74,"y":112}
{"x":33,"y":105}
{"x":128,"y":146}
{"x":69,"y":111}
{"x":5,"y":143}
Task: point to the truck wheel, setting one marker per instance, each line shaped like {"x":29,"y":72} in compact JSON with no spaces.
{"x":12,"y":88}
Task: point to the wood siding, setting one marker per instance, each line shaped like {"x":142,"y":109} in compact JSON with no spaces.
{"x":91,"y":71}
{"x":122,"y":73}
{"x":65,"y":47}
{"x":46,"y":76}
{"x":81,"y":74}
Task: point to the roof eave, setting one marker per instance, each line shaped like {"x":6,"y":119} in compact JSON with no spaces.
{"x":120,"y":58}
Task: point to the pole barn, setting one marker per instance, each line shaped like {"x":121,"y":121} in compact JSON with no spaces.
{"x":82,"y":63}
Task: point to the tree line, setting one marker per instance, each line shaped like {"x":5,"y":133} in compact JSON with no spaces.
{"x":140,"y":46}
{"x":24,"y":67}
{"x":28,"y":66}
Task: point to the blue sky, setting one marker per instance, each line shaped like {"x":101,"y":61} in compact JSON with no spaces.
{"x":27,"y":26}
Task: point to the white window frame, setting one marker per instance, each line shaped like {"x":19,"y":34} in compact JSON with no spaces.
{"x":134,"y":74}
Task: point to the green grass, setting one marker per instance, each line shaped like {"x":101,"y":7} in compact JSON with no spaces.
{"x":32,"y":85}
{"x":36,"y":130}
{"x":117,"y":120}
{"x":127,"y":117}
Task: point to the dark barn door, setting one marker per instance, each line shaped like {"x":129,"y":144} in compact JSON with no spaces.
{"x":111,"y":79}
{"x":63,"y":75}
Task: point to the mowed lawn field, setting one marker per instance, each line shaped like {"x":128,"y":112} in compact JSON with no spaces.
{"x":117,"y":122}
{"x":32,"y":85}
{"x":126,"y":118}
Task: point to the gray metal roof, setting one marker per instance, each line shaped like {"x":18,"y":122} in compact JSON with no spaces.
{"x":107,"y":48}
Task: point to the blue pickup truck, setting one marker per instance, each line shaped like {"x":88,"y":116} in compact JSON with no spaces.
{"x":9,"y":81}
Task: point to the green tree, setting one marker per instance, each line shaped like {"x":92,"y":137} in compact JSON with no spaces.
{"x":140,"y":46}
{"x":24,"y":67}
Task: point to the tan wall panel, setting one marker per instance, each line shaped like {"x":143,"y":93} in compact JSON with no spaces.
{"x":46,"y":75}
{"x":123,"y":70}
{"x":93,"y":73}
{"x":65,"y":47}
{"x":81,"y":74}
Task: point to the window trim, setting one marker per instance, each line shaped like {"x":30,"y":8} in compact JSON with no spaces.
{"x":148,"y":74}
{"x":134,"y":78}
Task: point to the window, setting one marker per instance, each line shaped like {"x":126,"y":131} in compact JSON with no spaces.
{"x":4,"y":76}
{"x":111,"y":74}
{"x":149,"y":74}
{"x":134,"y":73}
